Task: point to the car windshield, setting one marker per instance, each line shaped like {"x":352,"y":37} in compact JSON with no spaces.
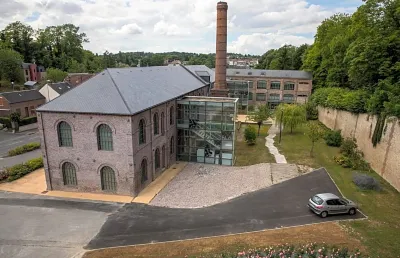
{"x":317,"y":200}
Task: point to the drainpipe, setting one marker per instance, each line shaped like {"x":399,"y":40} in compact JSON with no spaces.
{"x":153,"y":174}
{"x":45,"y":151}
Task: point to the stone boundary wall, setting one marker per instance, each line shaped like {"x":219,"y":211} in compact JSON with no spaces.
{"x":385,"y":157}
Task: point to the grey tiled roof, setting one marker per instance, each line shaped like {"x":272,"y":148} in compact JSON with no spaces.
{"x":289,"y":74}
{"x":202,"y":70}
{"x":126,"y":91}
{"x":61,"y":87}
{"x":22,"y":96}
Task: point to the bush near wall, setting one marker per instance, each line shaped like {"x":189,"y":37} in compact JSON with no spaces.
{"x":5,"y":121}
{"x":20,"y":170}
{"x":24,"y":148}
{"x":28,"y":120}
{"x":354,"y":101}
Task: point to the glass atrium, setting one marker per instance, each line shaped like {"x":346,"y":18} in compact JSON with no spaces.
{"x":240,"y":89}
{"x":206,"y":130}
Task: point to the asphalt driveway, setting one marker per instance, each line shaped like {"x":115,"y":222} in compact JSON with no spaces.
{"x":33,"y":226}
{"x":9,"y":141}
{"x":281,"y":205}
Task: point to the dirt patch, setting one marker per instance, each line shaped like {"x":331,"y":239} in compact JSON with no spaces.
{"x":330,"y":233}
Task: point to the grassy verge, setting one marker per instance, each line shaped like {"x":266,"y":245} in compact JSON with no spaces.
{"x":252,"y":154}
{"x":381,"y":232}
{"x":210,"y":247}
{"x":24,"y":148}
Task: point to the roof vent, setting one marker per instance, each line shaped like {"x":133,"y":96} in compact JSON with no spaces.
{"x":263,"y":73}
{"x":60,"y":88}
{"x":249,"y":73}
{"x":237,"y":72}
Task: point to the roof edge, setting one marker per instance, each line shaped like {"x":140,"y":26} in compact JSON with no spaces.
{"x":119,"y":92}
{"x":196,"y":76}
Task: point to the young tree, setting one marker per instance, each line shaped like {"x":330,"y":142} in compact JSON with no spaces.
{"x":290,"y":115}
{"x":250,"y":135}
{"x":314,"y":132}
{"x":261,"y":114}
{"x":56,"y":75}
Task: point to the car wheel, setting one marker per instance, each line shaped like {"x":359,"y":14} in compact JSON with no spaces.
{"x":324,"y":214}
{"x":352,"y":211}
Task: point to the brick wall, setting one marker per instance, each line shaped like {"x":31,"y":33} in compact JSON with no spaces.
{"x":126,"y":157}
{"x":28,"y":104}
{"x":384,"y":157}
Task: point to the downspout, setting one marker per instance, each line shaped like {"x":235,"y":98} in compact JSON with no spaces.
{"x":45,"y":150}
{"x":151,"y":146}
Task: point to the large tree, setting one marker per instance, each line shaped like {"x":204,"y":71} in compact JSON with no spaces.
{"x":10,"y":65}
{"x":261,"y":114}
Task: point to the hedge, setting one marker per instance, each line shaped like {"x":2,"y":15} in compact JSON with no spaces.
{"x":24,"y":148}
{"x":5,"y":121}
{"x":354,"y":101}
{"x":24,"y":121}
{"x":20,"y":170}
{"x":28,"y":120}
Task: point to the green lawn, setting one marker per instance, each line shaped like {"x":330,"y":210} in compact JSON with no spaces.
{"x":381,"y":232}
{"x":247,"y":155}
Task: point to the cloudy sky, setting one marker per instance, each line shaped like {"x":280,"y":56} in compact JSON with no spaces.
{"x":179,"y":25}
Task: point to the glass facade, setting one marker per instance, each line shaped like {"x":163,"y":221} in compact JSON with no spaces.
{"x":240,"y":90}
{"x":206,"y":130}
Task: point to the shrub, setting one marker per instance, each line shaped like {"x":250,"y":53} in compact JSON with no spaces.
{"x":343,"y":161}
{"x":5,"y":121}
{"x":250,"y":135}
{"x":251,"y":108}
{"x":366,"y":182}
{"x":21,"y":170}
{"x":348,"y":147}
{"x":351,"y":157}
{"x":3,"y":175}
{"x":28,"y":120}
{"x":333,"y":138}
{"x":311,"y":111}
{"x":23,"y":149}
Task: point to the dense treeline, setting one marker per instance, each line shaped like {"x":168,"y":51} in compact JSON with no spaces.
{"x":360,"y":52}
{"x":287,"y":57}
{"x":61,"y":47}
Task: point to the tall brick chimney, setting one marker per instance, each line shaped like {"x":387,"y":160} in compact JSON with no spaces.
{"x":220,"y":87}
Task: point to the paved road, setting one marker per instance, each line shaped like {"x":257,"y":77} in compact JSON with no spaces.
{"x":11,"y":161}
{"x":9,"y":141}
{"x":36,"y":227}
{"x":280,"y":205}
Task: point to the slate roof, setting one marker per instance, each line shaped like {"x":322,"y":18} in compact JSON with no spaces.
{"x":126,"y":91}
{"x":202,"y":70}
{"x":288,"y":74}
{"x":60,"y":87}
{"x":22,"y":96}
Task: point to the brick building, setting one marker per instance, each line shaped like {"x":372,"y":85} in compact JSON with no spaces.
{"x":32,"y":72}
{"x":75,"y":79}
{"x":117,"y":132}
{"x":23,"y":102}
{"x":270,"y":87}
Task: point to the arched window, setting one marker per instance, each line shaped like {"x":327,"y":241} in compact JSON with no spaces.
{"x":64,"y":134}
{"x":142,"y":131}
{"x":143,"y":171}
{"x":69,"y":174}
{"x":156,"y":124}
{"x":162,"y":123}
{"x":163,"y":156}
{"x":172,"y":145}
{"x":108,"y":182}
{"x":171,"y":115}
{"x":104,"y":138}
{"x":157,"y":158}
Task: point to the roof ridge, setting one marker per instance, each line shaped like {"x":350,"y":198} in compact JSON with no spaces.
{"x":196,"y":76}
{"x":119,"y":92}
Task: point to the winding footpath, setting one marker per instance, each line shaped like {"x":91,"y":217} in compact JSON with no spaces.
{"x":280,"y":159}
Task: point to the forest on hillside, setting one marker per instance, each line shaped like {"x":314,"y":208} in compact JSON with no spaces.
{"x":61,"y":47}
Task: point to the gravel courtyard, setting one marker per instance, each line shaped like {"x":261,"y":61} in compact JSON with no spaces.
{"x":202,"y":185}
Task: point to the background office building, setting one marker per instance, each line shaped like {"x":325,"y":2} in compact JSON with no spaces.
{"x":270,"y":87}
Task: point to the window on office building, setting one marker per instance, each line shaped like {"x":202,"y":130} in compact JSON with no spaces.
{"x":261,"y":84}
{"x":275,"y":85}
{"x":260,"y":97}
{"x":289,"y":86}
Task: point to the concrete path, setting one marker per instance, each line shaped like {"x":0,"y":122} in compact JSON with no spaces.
{"x":35,"y":183}
{"x":272,"y":132}
{"x":35,"y":226}
{"x":280,"y":205}
{"x":11,"y":161}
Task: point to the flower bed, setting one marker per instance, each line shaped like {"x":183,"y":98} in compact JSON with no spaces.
{"x":289,"y":251}
{"x":20,"y":170}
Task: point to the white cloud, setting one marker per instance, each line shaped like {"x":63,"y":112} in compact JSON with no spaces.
{"x":131,"y":29}
{"x":183,"y":25}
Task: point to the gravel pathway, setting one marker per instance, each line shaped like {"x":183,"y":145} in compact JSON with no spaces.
{"x":269,"y":143}
{"x":202,"y":185}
